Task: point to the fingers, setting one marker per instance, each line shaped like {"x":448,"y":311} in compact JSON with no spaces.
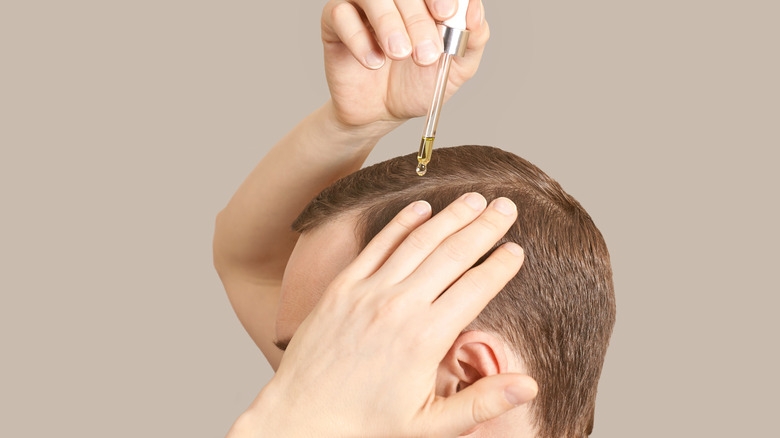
{"x":342,"y":22}
{"x":465,"y":67}
{"x":400,"y":29}
{"x":461,"y":250}
{"x":442,"y":9}
{"x":466,"y":298}
{"x":484,"y":400}
{"x":426,"y":238}
{"x":386,"y":241}
{"x":389,"y":27}
{"x":475,"y":16}
{"x":422,"y":30}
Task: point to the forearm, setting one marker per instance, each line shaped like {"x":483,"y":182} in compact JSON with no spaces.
{"x":253,"y":231}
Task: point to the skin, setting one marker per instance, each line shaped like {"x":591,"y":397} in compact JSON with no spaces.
{"x":320,"y":255}
{"x":391,"y":323}
{"x":253,"y":243}
{"x":252,"y":238}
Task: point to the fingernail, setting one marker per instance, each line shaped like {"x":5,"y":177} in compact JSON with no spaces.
{"x":421,"y":207}
{"x":374,"y":59}
{"x":475,"y":201}
{"x":514,"y":248}
{"x":505,"y":206}
{"x":444,"y":8}
{"x":426,"y":52}
{"x":518,"y":395}
{"x":399,"y":45}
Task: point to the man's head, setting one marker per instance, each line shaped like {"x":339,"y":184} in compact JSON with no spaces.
{"x":555,"y":316}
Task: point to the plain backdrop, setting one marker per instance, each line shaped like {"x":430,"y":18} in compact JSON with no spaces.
{"x":126,"y":126}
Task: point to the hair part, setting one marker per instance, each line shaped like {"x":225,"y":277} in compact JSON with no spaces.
{"x":557,"y":313}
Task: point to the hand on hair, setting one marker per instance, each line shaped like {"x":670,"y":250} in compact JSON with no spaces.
{"x":364,"y":361}
{"x":380,"y":57}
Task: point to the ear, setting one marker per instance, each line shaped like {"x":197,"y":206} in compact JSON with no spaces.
{"x":473,"y":355}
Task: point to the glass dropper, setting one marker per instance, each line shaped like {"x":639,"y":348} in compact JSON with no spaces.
{"x":455,"y":38}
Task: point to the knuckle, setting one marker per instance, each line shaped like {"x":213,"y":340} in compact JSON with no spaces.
{"x":419,"y":241}
{"x":493,"y":222}
{"x":337,"y":290}
{"x":511,"y":261}
{"x":502,"y":265}
{"x":472,"y":282}
{"x":407,"y":222}
{"x":385,"y":21}
{"x":363,"y":303}
{"x":354,"y":38}
{"x":461,"y":212}
{"x":509,"y":266}
{"x":456,"y":249}
{"x":339,"y":11}
{"x":393,"y":307}
{"x":418,"y":19}
{"x":480,"y":39}
{"x":340,"y":282}
{"x":480,"y":410}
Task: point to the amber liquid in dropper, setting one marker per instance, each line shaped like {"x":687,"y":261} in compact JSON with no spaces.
{"x":424,"y":156}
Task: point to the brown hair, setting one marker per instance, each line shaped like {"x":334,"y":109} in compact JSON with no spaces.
{"x":558,"y":311}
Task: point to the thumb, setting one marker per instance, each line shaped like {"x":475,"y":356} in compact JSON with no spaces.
{"x":484,"y":400}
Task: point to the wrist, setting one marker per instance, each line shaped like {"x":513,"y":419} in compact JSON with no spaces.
{"x":370,"y":132}
{"x":268,"y":416}
{"x":258,"y":420}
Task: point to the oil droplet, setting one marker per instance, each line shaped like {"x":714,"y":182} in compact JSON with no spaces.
{"x":424,"y":156}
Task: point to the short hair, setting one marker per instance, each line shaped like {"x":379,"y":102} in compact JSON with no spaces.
{"x":557,"y":313}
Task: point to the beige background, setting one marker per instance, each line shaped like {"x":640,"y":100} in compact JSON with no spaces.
{"x":125,"y":127}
